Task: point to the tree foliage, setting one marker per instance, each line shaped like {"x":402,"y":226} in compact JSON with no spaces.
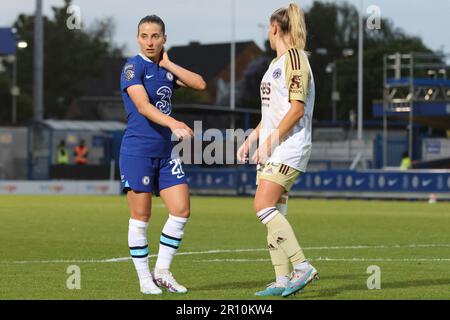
{"x":70,"y":57}
{"x":334,"y":27}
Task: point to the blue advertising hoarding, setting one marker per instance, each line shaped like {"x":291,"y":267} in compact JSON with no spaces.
{"x":241,"y":181}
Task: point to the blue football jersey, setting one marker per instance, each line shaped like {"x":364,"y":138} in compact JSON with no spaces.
{"x":143,"y":137}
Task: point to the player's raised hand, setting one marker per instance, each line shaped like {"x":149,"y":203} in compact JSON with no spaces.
{"x":164,"y":59}
{"x":181,"y":130}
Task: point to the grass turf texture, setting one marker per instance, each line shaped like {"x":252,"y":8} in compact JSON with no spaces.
{"x":40,"y":234}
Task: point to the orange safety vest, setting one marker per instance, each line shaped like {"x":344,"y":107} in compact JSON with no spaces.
{"x":81,"y":155}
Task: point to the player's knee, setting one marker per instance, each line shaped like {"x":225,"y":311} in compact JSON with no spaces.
{"x":183,"y":212}
{"x":143,"y":215}
{"x":262,"y":201}
{"x":258,"y":206}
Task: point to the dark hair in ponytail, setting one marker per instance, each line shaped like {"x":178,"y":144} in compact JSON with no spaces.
{"x":153,"y":19}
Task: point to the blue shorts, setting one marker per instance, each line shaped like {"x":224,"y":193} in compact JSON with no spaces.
{"x":150,"y":174}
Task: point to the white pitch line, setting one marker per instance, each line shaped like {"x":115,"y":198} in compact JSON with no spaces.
{"x":218,"y":251}
{"x":215,"y":251}
{"x":338,"y":259}
{"x":383,"y":259}
{"x":381,"y":246}
{"x":233,"y":260}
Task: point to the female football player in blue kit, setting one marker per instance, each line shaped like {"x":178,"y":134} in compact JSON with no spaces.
{"x":146,"y":166}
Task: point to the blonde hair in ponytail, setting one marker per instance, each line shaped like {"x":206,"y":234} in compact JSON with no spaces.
{"x":292,"y":21}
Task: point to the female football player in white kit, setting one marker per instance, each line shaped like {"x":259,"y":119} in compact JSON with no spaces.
{"x":284,"y":147}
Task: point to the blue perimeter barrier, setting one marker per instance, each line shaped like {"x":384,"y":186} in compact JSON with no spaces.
{"x":411,"y":184}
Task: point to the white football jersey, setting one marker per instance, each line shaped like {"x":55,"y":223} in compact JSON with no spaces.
{"x":289,"y":77}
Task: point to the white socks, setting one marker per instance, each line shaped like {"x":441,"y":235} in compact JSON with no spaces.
{"x":137,"y":241}
{"x":267,"y":214}
{"x":170,"y":240}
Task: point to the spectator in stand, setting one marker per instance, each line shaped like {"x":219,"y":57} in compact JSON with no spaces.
{"x":62,"y":156}
{"x":406,"y":162}
{"x":81,"y":153}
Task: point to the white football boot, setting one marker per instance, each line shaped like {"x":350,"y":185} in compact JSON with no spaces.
{"x":149,"y":287}
{"x":165,"y":279}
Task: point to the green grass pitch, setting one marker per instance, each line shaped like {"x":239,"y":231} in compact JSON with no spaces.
{"x":41,"y":236}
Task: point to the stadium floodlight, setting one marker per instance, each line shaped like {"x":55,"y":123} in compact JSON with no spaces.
{"x":348,"y":52}
{"x":15,"y":90}
{"x":22,"y":44}
{"x":322,"y":51}
{"x":331,"y":68}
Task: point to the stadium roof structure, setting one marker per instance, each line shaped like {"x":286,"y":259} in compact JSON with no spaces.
{"x":418,"y":82}
{"x":434,"y":114}
{"x":75,"y":125}
{"x":415,"y":88}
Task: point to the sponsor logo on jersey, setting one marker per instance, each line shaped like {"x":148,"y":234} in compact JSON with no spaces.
{"x":296,"y":81}
{"x":277,"y":73}
{"x":169,"y":76}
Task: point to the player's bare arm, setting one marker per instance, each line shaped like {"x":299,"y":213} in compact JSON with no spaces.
{"x":244,"y":149}
{"x":140,"y":98}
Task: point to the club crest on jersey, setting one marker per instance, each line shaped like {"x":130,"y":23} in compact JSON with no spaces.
{"x":129,"y":72}
{"x":277,"y":73}
{"x":169,"y":76}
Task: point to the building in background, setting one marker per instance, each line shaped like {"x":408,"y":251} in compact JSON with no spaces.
{"x":101,"y":97}
{"x":212,"y":61}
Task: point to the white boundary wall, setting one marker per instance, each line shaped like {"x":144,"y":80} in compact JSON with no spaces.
{"x":60,"y":187}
